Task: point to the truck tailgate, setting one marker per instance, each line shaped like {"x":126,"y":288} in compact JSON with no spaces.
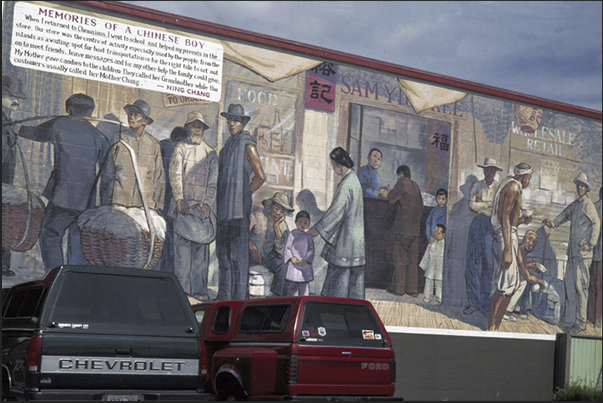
{"x":106,"y":362}
{"x":344,"y":370}
{"x":343,"y":350}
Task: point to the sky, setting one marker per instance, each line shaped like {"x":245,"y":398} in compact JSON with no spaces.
{"x":548,"y":49}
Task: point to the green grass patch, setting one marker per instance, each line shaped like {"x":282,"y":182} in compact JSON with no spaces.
{"x":578,"y":392}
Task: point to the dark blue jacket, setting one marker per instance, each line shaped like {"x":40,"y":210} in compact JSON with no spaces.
{"x":79,"y":151}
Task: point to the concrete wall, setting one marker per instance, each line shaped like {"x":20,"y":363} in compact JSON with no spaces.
{"x":467,"y":367}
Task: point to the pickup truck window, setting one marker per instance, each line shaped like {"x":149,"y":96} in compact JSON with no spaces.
{"x":221,"y":323}
{"x":23,"y":303}
{"x":327,"y":323}
{"x":128,"y":304}
{"x":265,"y":318}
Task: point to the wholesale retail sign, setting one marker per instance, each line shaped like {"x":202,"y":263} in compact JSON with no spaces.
{"x":89,"y":47}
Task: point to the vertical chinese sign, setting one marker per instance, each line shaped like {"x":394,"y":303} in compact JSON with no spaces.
{"x":440,"y":141}
{"x":320,"y":87}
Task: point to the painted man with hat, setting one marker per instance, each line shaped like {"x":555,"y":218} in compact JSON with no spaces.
{"x":480,"y":263}
{"x":147,"y":152}
{"x":240,"y":174}
{"x":268,"y":233}
{"x":79,"y":149}
{"x":11,"y":96}
{"x":193,"y":174}
{"x":585,"y":227}
{"x":507,"y":285}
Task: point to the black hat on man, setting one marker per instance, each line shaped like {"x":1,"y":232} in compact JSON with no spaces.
{"x":12,"y":84}
{"x":141,"y":107}
{"x":236,"y":112}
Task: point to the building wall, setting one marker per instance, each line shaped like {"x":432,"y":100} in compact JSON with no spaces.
{"x":300,"y":107}
{"x":585,"y":366}
{"x":473,"y":367}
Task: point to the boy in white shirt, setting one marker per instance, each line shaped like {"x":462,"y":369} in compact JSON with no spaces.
{"x":433,"y":263}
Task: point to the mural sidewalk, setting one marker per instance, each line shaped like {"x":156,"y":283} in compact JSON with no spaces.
{"x":407,"y":311}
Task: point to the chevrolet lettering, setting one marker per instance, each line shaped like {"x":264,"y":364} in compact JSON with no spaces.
{"x":99,"y":365}
{"x":101,"y":333}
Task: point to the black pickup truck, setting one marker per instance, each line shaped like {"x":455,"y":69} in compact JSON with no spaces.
{"x":101,"y":333}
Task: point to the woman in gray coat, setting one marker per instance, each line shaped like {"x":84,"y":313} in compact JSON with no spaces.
{"x":342,"y":227}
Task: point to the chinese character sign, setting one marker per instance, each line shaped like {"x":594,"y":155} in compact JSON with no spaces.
{"x":320,"y":87}
{"x":327,"y":71}
{"x":440,"y":141}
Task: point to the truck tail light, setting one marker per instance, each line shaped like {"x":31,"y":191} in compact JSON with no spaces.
{"x":291,"y":369}
{"x":202,"y":359}
{"x":392,"y":372}
{"x":34,"y":354}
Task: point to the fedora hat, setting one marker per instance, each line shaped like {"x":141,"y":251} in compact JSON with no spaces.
{"x":490,"y":162}
{"x":141,"y":107}
{"x":236,"y":112}
{"x":196,"y":115}
{"x":12,"y":84}
{"x":582,"y":178}
{"x":280,"y":198}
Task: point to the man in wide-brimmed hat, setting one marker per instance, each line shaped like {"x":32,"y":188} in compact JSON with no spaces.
{"x":193,"y":175}
{"x":11,"y":96}
{"x":240,"y":174}
{"x":479,"y":264}
{"x":139,"y":107}
{"x":507,"y":281}
{"x":585,"y":227}
{"x":136,"y":143}
{"x":268,"y":234}
{"x":236,"y":113}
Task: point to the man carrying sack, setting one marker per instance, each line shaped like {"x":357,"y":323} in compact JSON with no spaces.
{"x":194,"y":178}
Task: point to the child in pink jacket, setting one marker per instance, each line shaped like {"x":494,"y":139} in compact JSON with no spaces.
{"x":299,"y":254}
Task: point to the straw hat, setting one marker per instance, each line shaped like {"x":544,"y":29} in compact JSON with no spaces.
{"x":196,"y":115}
{"x":582,"y":178}
{"x":280,"y":198}
{"x":490,"y":162}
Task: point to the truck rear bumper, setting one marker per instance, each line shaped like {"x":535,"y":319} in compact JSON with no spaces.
{"x":116,"y":395}
{"x":346,"y":398}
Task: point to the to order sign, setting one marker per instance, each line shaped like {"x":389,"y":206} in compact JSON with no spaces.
{"x":73,"y":44}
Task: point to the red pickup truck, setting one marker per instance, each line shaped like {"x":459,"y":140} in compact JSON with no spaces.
{"x":296,"y":348}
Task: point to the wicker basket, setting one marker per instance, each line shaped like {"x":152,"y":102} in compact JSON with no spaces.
{"x":21,"y":218}
{"x":119,"y":236}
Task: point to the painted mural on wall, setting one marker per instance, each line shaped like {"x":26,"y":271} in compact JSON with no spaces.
{"x":249,"y":172}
